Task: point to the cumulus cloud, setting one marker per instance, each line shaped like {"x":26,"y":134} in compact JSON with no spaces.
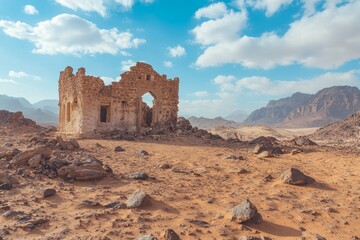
{"x":82,"y":36}
{"x":30,"y":10}
{"x":270,"y":6}
{"x":109,"y":80}
{"x":85,"y":5}
{"x":99,"y":6}
{"x":264,"y":85}
{"x":14,"y":74}
{"x":126,"y":64}
{"x":326,"y":40}
{"x":201,"y":94}
{"x":168,"y":64}
{"x":177,"y":51}
{"x":230,"y":90}
{"x":214,"y":10}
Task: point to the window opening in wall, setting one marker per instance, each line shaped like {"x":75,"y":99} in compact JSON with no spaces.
{"x":68,"y":112}
{"x":104,"y":113}
{"x":148,"y":77}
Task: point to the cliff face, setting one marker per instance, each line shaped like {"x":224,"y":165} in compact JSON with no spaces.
{"x":277,"y":110}
{"x":304,"y":110}
{"x":208,"y":123}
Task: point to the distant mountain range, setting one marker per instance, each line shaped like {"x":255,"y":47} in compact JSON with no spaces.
{"x":308,"y":110}
{"x":43,"y":112}
{"x":237,"y":116}
{"x":209,"y":123}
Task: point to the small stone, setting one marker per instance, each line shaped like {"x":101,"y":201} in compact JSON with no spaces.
{"x":49,"y":192}
{"x":138,"y":199}
{"x":5,"y":186}
{"x":119,"y":149}
{"x":11,"y":213}
{"x":35,"y":161}
{"x":265,"y":154}
{"x":318,"y":237}
{"x":277,"y":150}
{"x":143,"y":153}
{"x":165,"y":166}
{"x":233,"y":157}
{"x":128,"y":138}
{"x":146,"y":237}
{"x":117,"y":205}
{"x":258,"y":148}
{"x":170,"y":234}
{"x":138,"y":176}
{"x":90,"y":203}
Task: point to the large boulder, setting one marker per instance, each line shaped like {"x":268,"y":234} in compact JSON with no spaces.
{"x":302,"y":141}
{"x":295,"y":177}
{"x":87,"y":168}
{"x":246,"y":212}
{"x":23,"y":157}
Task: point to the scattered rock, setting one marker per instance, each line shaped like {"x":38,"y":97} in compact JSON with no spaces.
{"x":119,"y":149}
{"x":35,"y":161}
{"x":233,"y":157}
{"x":138,"y":199}
{"x":302,"y":141}
{"x":49,"y":192}
{"x":254,"y":238}
{"x":23,"y":157}
{"x":295,"y":177}
{"x":165,"y":166}
{"x":143,"y":153}
{"x":139,"y":176}
{"x":265,"y":154}
{"x":87,"y":168}
{"x":277,"y":150}
{"x":318,"y":237}
{"x":147,"y":237}
{"x":128,"y":138}
{"x":259,"y":148}
{"x":170,"y":234}
{"x":117,"y":205}
{"x":198,"y":222}
{"x":11,"y":213}
{"x":6,"y":182}
{"x":296,"y":151}
{"x":246,"y":212}
{"x":90,"y":203}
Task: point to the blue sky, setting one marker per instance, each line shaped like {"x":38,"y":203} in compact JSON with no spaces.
{"x":229,"y":55}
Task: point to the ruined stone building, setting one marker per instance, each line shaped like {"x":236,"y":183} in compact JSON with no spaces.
{"x":88,"y":106}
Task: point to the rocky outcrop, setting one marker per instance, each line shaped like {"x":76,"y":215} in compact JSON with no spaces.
{"x":15,"y":119}
{"x":304,"y":110}
{"x":209,"y":123}
{"x":346,"y":130}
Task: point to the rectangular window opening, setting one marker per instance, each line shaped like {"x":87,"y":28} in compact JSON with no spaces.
{"x":148,"y":77}
{"x":105,"y":113}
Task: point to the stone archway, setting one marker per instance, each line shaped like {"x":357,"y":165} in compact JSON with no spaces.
{"x":147,"y":116}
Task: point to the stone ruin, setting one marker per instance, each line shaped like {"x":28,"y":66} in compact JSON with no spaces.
{"x":88,"y":106}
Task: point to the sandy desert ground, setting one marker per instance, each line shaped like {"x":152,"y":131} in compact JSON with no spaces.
{"x":193,"y":197}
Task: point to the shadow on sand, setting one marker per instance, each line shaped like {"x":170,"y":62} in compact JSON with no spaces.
{"x":276,"y":229}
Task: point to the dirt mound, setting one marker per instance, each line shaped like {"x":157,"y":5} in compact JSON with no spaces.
{"x":347,"y":130}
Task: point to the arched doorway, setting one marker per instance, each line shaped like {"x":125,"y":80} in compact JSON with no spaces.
{"x":147,"y":110}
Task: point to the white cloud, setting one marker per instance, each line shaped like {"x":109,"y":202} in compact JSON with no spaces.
{"x":126,"y":3}
{"x":30,"y":9}
{"x":125,"y":65}
{"x":99,"y":6}
{"x":168,"y":64}
{"x":214,"y":10}
{"x":231,"y":89}
{"x":14,"y":74}
{"x":177,"y":51}
{"x":325,"y":40}
{"x":201,"y":94}
{"x":222,"y":29}
{"x":85,"y":5}
{"x":109,"y":80}
{"x":4,"y":81}
{"x":270,"y":6}
{"x":82,"y":36}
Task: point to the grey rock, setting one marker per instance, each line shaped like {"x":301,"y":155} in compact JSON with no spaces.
{"x":170,"y":234}
{"x":119,"y":149}
{"x":246,"y":212}
{"x":139,"y":176}
{"x":49,"y":192}
{"x":35,"y":161}
{"x":138,"y":199}
{"x":295,"y":177}
{"x":146,"y":237}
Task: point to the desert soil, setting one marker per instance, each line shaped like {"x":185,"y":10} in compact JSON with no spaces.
{"x":200,"y":185}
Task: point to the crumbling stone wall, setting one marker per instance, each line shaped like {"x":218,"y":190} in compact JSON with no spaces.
{"x":88,"y":106}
